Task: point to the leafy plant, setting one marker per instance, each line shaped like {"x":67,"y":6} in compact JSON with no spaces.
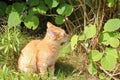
{"x":112,"y":25}
{"x":88,"y":33}
{"x":31,"y":22}
{"x":52,"y":3}
{"x":33,"y":3}
{"x":65,"y":10}
{"x":29,"y":13}
{"x":59,"y":19}
{"x":3,"y":6}
{"x":111,"y":3}
{"x":14,"y":19}
{"x":74,"y":41}
{"x":9,"y":45}
{"x":92,"y":69}
{"x":64,"y":50}
{"x":108,"y":56}
{"x":95,"y":55}
{"x":8,"y":74}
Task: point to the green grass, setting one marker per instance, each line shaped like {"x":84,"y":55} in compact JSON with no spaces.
{"x":8,"y":65}
{"x":68,"y":66}
{"x":63,"y":71}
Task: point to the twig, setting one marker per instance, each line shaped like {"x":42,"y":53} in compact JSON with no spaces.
{"x":84,"y":10}
{"x":115,"y":74}
{"x":77,"y":19}
{"x":68,"y":25}
{"x":107,"y":73}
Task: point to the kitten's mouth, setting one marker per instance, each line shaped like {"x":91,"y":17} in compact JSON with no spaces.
{"x":62,"y":43}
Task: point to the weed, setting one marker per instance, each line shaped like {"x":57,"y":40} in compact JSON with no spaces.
{"x":9,"y":45}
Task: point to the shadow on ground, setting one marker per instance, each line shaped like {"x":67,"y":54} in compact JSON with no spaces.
{"x":64,"y":67}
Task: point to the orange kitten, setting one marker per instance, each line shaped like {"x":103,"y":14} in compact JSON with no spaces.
{"x":40,"y":55}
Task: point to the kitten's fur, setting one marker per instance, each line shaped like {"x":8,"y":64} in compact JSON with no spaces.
{"x":40,"y":55}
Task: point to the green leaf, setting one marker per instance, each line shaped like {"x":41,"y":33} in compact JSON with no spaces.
{"x":14,"y":19}
{"x":3,"y":6}
{"x":74,"y":40}
{"x":109,"y":38}
{"x":90,"y":31}
{"x":33,"y":3}
{"x":65,"y":10}
{"x":108,"y":78}
{"x":111,"y":51}
{"x":18,"y":7}
{"x":105,"y":37}
{"x":96,"y":55}
{"x":82,"y":37}
{"x":102,"y":76}
{"x":112,"y":25}
{"x":108,"y":62}
{"x":31,"y":22}
{"x":8,"y":9}
{"x":114,"y":42}
{"x":92,"y":69}
{"x":65,"y":49}
{"x":52,"y":3}
{"x":32,"y":11}
{"x":111,"y":3}
{"x":117,"y":35}
{"x":42,"y":9}
{"x":59,"y":19}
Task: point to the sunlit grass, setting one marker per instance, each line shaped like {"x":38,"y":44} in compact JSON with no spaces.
{"x":11,"y":74}
{"x":8,"y":66}
{"x":64,"y":70}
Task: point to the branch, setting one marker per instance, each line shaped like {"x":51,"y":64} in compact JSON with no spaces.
{"x":107,"y":73}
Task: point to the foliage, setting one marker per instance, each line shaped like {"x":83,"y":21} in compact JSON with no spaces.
{"x":92,"y":69}
{"x":64,"y":50}
{"x":59,"y":19}
{"x":107,"y":58}
{"x":94,"y":22}
{"x":111,"y":3}
{"x":14,"y":19}
{"x":52,"y":3}
{"x":65,"y":10}
{"x":28,"y":13}
{"x":95,"y":55}
{"x":63,"y":73}
{"x":9,"y":46}
{"x":112,"y":25}
{"x":73,"y":41}
{"x":31,"y":22}
{"x":8,"y":74}
{"x":2,"y":8}
{"x":88,"y":33}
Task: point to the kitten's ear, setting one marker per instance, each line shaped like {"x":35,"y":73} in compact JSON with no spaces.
{"x":49,"y":24}
{"x":50,"y":32}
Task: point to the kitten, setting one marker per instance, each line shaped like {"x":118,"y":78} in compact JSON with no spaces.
{"x":40,"y":55}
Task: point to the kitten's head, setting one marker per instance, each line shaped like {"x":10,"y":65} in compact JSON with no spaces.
{"x":56,"y":33}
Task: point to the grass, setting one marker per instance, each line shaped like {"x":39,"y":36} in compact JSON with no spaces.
{"x":8,"y":66}
{"x":64,"y":71}
{"x":68,"y":67}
